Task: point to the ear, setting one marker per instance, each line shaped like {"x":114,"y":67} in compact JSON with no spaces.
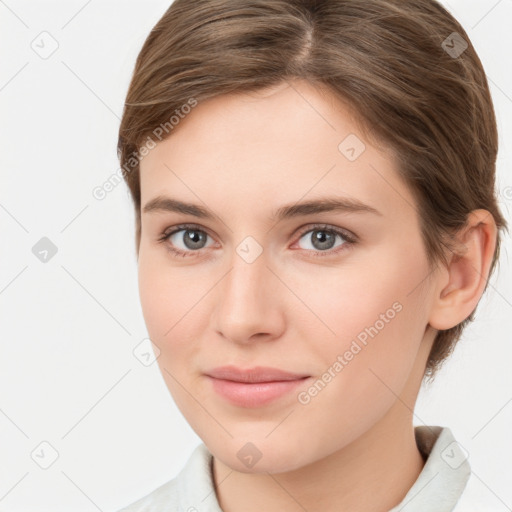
{"x":462,"y":282}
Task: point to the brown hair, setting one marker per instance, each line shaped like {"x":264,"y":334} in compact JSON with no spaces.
{"x":411,"y":81}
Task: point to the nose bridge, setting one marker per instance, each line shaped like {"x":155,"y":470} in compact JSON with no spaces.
{"x":245,"y":304}
{"x":245,"y":286}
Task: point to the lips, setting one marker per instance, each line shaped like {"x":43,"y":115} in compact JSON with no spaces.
{"x":253,"y":375}
{"x":253,"y":387}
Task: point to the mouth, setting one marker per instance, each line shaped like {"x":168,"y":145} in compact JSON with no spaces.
{"x":253,"y":387}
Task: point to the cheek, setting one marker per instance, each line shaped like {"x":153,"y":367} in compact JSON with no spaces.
{"x":349,"y":299}
{"x":375,"y":312}
{"x":166,"y":292}
{"x":366,"y":365}
{"x":164,"y":300}
{"x":154,"y":296}
{"x":173,"y":301}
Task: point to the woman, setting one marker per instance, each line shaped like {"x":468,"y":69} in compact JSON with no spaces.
{"x":313,"y":184}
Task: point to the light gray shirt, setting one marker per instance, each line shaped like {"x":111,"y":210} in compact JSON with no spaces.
{"x":437,"y":489}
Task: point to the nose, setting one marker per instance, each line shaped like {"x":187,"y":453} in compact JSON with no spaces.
{"x":248,"y":303}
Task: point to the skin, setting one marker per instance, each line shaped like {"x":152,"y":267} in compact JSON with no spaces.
{"x":352,"y":446}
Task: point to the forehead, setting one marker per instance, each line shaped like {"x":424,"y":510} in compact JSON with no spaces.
{"x":282,"y":144}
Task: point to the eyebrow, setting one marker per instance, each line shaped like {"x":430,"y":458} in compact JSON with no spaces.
{"x":326,"y":204}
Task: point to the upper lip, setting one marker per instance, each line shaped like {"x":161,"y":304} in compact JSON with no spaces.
{"x":255,"y":374}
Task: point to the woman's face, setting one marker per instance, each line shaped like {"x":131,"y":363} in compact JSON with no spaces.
{"x":337,"y":297}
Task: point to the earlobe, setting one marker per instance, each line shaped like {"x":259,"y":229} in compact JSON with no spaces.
{"x":467,"y":272}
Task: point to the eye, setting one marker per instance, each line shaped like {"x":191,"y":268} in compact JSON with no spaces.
{"x":322,"y":239}
{"x":185,"y":240}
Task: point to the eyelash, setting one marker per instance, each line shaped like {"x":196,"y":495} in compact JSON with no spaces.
{"x":348,"y":238}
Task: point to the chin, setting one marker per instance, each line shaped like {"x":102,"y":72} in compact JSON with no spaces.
{"x":259,"y":456}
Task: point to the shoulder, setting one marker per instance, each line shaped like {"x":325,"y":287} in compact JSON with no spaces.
{"x":477,"y":497}
{"x":163,"y":498}
{"x":178,"y":494}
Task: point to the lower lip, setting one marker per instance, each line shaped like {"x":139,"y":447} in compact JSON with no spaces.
{"x":254,"y":394}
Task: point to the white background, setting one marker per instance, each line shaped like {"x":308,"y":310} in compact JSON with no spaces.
{"x":68,"y":375}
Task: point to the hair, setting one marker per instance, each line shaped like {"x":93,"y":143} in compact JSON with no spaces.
{"x":394,"y":63}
